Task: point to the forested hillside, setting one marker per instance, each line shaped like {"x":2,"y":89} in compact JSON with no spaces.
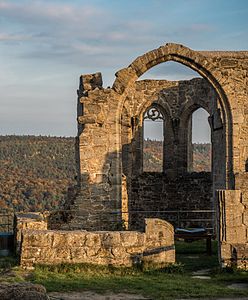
{"x":202,"y":157}
{"x":153,"y":156}
{"x":36,"y":171}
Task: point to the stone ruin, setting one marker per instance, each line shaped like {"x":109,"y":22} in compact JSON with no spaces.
{"x":113,"y":193}
{"x":36,"y":244}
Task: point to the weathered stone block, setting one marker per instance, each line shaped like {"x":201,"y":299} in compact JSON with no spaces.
{"x":110,"y":240}
{"x":22,"y":291}
{"x":91,"y":81}
{"x":93,"y":240}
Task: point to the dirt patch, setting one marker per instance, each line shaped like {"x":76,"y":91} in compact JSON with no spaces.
{"x":238,"y":286}
{"x":93,"y":296}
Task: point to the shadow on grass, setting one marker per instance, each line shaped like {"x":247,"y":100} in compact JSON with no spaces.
{"x":7,"y":262}
{"x":156,"y":285}
{"x":193,"y":256}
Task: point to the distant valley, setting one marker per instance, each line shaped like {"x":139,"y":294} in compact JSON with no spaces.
{"x":36,"y":171}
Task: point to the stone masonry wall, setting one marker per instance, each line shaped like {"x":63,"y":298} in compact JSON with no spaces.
{"x":120,"y":248}
{"x":233,"y":228}
{"x":153,"y":193}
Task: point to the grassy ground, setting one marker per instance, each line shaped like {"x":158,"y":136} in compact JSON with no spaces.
{"x":193,"y":255}
{"x":171,"y":283}
{"x":156,"y":285}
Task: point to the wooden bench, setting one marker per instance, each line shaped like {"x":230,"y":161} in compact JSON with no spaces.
{"x":190,"y":237}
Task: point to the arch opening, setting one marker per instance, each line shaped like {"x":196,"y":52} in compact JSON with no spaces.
{"x":126,"y":79}
{"x":142,"y":94}
{"x":153,"y":139}
{"x":199,"y":142}
{"x":170,"y":70}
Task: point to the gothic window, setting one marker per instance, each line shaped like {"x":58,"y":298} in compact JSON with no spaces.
{"x":199,"y":146}
{"x":153,"y":139}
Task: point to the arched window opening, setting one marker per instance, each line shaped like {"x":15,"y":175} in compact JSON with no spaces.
{"x":170,"y":70}
{"x":153,"y":139}
{"x":200,"y":146}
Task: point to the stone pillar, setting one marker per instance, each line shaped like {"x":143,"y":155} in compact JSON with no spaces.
{"x":218,"y":150}
{"x":30,"y":220}
{"x":232,"y":216}
{"x":95,"y":205}
{"x":190,"y":146}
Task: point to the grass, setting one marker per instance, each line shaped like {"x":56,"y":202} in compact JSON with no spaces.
{"x":193,"y":256}
{"x":172,"y":282}
{"x":154,"y":284}
{"x":9,"y":271}
{"x":7,"y":262}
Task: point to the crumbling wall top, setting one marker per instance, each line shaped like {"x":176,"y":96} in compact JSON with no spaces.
{"x":89,"y":82}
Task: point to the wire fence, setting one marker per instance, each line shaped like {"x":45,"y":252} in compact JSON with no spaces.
{"x":178,"y":218}
{"x":128,"y":220}
{"x":184,"y":218}
{"x":6,"y":220}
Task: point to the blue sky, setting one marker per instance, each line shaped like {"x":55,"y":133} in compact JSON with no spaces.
{"x":46,"y":45}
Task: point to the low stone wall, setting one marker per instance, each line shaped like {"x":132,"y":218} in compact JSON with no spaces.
{"x":155,"y":246}
{"x":30,"y":220}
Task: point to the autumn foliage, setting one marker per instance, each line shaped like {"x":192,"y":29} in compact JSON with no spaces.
{"x":36,"y":171}
{"x":153,"y":156}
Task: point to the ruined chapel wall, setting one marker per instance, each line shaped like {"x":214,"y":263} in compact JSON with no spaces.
{"x":226,"y":71}
{"x":228,"y":75}
{"x":232,"y":75}
{"x":151,"y":192}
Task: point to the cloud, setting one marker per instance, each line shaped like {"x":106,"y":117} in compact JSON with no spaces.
{"x":91,"y":23}
{"x":53,"y":30}
{"x":14,"y":37}
{"x":200,"y":27}
{"x":40,"y":11}
{"x":74,"y":32}
{"x":57,"y":40}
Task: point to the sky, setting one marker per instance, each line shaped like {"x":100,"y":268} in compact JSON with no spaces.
{"x":200,"y":128}
{"x":46,"y":45}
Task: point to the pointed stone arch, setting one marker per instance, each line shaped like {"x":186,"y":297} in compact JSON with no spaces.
{"x":196,"y":60}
